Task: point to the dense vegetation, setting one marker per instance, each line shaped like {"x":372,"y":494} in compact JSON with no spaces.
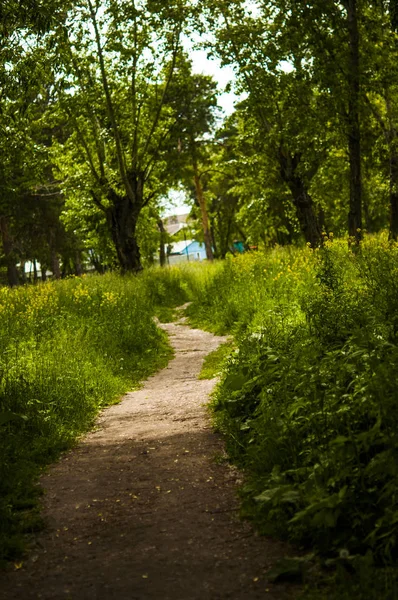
{"x":101,"y":116}
{"x":307,"y":402}
{"x":67,"y":349}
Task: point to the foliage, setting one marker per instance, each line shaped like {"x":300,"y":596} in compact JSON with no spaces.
{"x":67,"y":349}
{"x":307,"y":402}
{"x":116,"y":63}
{"x":213,"y":363}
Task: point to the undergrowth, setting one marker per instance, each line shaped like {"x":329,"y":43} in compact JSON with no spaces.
{"x":213,"y":363}
{"x":67,"y":349}
{"x":308,"y":401}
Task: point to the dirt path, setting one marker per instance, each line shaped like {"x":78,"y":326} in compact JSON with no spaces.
{"x":140,"y":510}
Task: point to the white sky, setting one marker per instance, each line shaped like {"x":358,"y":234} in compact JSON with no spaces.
{"x":223,"y":76}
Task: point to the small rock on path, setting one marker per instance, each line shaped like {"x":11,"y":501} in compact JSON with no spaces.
{"x":140,"y":510}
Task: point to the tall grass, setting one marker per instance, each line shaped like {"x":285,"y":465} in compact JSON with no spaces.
{"x":66,"y":349}
{"x":308,"y":402}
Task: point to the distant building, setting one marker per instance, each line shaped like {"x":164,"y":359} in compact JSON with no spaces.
{"x":187,"y":250}
{"x":175,"y":223}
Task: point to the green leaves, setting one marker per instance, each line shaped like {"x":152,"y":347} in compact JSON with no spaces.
{"x":308,"y":404}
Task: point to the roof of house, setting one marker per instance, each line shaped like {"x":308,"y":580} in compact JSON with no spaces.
{"x":181,"y":247}
{"x":172,"y":219}
{"x":173,"y":228}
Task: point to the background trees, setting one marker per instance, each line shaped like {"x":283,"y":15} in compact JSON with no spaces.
{"x":102,"y":113}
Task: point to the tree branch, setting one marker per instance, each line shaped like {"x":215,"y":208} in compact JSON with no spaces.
{"x":110,"y":107}
{"x":164,"y":94}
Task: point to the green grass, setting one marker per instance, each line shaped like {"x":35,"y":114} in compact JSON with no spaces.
{"x":67,"y":349}
{"x":308,"y":403}
{"x":214,"y":362}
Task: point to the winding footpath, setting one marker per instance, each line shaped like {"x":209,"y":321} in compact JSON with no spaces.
{"x":141,"y":510}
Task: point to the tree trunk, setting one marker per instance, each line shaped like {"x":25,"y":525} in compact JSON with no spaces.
{"x":305,"y":213}
{"x":97,"y":264}
{"x":162,"y":247}
{"x":54,"y":259}
{"x":393,"y":196}
{"x":12,"y":271}
{"x":78,"y":263}
{"x":35,"y":275}
{"x":55,"y":266}
{"x":122,"y":217}
{"x":224,"y":237}
{"x":354,"y":130}
{"x":22,"y":273}
{"x":302,"y":200}
{"x":213,"y":241}
{"x":203,"y":211}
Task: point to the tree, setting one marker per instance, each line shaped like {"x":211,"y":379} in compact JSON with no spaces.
{"x":119,"y":59}
{"x":287,"y":105}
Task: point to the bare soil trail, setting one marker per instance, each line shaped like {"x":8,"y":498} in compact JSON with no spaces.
{"x":141,"y":510}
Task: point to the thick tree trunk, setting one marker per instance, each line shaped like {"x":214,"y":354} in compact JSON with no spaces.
{"x":302,"y":200}
{"x":8,"y":249}
{"x":354,"y":130}
{"x":162,"y":246}
{"x":122,"y":217}
{"x":305,"y":212}
{"x":394,"y":196}
{"x":203,"y":211}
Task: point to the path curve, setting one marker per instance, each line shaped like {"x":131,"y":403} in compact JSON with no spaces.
{"x":140,"y":510}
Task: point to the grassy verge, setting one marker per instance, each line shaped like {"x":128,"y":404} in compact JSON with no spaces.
{"x":308,"y":404}
{"x":67,"y":349}
{"x":215,"y":361}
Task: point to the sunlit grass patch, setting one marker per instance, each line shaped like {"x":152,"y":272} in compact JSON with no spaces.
{"x":67,"y":349}
{"x":213,"y":363}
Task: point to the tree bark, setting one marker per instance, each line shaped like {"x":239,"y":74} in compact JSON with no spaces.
{"x":8,"y":249}
{"x":54,"y":258}
{"x":122,"y":217}
{"x":203,"y":211}
{"x":162,"y":247}
{"x":354,"y":129}
{"x":302,"y":200}
{"x":22,"y":273}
